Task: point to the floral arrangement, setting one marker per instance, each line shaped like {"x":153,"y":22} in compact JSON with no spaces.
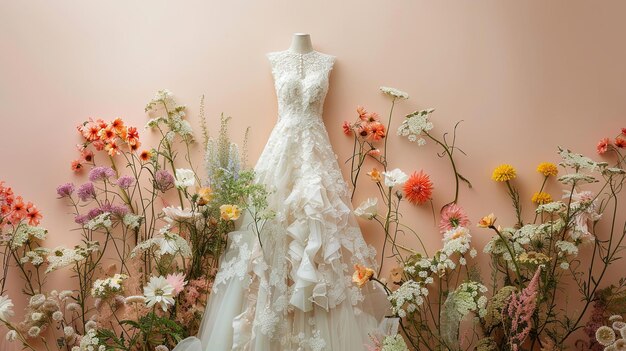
{"x":532,"y":260}
{"x":165,"y":254}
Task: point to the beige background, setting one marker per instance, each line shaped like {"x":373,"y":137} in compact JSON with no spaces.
{"x":524,"y":76}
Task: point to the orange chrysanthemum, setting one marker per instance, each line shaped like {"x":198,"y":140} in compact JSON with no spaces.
{"x":32,"y":214}
{"x":117,"y":125}
{"x":419,"y":188}
{"x":112,"y":148}
{"x":90,"y":131}
{"x":76,"y":165}
{"x":107,"y":133}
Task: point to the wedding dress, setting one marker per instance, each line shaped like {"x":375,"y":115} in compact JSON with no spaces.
{"x":295,"y":292}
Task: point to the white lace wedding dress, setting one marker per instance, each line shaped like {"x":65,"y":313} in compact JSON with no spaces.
{"x":295,"y":291}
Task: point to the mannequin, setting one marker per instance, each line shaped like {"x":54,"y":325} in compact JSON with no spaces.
{"x":301,"y":43}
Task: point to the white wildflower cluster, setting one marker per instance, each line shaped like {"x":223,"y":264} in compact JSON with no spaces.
{"x":221,"y":157}
{"x":566,"y":248}
{"x":101,"y":221}
{"x":576,"y":178}
{"x":395,"y":93}
{"x":456,"y":240}
{"x":163,"y":102}
{"x":549,"y":228}
{"x":470,"y":297}
{"x":24,"y":233}
{"x":394,"y":343}
{"x":36,"y":256}
{"x":578,"y":161}
{"x":407,"y":298}
{"x":526,"y":234}
{"x":167,"y":243}
{"x":415,"y":124}
{"x":61,"y":256}
{"x":497,"y":247}
{"x":89,"y":342}
{"x":132,"y":221}
{"x":103,"y":288}
{"x":551,"y":207}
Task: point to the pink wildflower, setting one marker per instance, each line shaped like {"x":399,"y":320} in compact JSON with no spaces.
{"x":453,"y":216}
{"x":177,"y":281}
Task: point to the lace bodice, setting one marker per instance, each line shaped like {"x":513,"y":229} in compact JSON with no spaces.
{"x":301,"y":82}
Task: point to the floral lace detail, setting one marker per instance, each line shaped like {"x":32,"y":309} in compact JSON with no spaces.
{"x":235,"y":267}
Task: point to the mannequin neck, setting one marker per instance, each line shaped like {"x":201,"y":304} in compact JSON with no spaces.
{"x":301,"y":43}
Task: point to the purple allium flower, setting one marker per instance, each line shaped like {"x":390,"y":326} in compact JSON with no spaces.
{"x":101,"y":173}
{"x":81,"y":219}
{"x":94,"y":212}
{"x":125,"y":182}
{"x":86,"y":191}
{"x":118,"y":210}
{"x":66,"y":189}
{"x":164,"y":180}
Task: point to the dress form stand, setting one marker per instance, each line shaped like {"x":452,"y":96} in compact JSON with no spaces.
{"x":301,"y":43}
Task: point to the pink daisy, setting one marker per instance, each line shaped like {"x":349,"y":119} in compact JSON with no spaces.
{"x":453,"y":216}
{"x":177,"y":281}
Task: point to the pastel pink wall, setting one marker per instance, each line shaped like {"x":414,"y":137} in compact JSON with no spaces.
{"x":524,"y":76}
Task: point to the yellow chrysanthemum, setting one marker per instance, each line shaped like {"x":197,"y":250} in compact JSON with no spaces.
{"x":204,"y":195}
{"x":503,"y":173}
{"x":541,"y":198}
{"x":230,"y":212}
{"x":547,"y":169}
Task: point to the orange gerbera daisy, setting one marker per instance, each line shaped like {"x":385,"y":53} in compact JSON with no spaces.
{"x":145,"y":155}
{"x":363,"y":131}
{"x":418,"y":189}
{"x":347,"y":128}
{"x":376,"y":131}
{"x":90,"y":131}
{"x":112,"y":148}
{"x":117,"y":125}
{"x":132,"y":137}
{"x":134,"y":147}
{"x":620,"y":143}
{"x":362,"y":112}
{"x":107,"y":133}
{"x":19,"y":207}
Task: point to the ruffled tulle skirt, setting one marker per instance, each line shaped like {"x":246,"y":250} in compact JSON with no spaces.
{"x":293,"y":290}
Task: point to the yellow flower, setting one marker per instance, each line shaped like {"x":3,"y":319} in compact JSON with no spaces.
{"x":487,"y":221}
{"x":204,"y":195}
{"x":362,"y":275}
{"x":541,"y":198}
{"x":547,"y":169}
{"x":503,"y":172}
{"x":375,"y":175}
{"x":230,"y":212}
{"x":533,"y":257}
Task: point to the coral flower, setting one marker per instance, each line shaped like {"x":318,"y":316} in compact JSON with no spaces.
{"x":98,"y":144}
{"x":107,"y":133}
{"x":418,"y":189}
{"x":347,"y":128}
{"x":371,"y":117}
{"x":132,"y":137}
{"x":620,"y":143}
{"x":541,"y":198}
{"x":503,"y":173}
{"x":134,"y":147}
{"x":364,"y":130}
{"x":376,"y":131}
{"x":19,"y":207}
{"x":362,"y":275}
{"x":603,"y":146}
{"x":90,"y":131}
{"x":623,"y":131}
{"x":362,"y":112}
{"x":33,"y":215}
{"x":112,"y":148}
{"x":145,"y":155}
{"x":547,"y":169}
{"x":453,"y":216}
{"x":117,"y":125}
{"x":487,"y":221}
{"x":375,"y":175}
{"x":77,"y":166}
{"x":87,"y":156}
{"x":374,"y":152}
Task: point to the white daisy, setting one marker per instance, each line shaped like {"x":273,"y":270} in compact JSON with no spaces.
{"x":159,"y":291}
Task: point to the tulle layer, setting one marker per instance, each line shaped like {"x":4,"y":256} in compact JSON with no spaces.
{"x":293,"y":291}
